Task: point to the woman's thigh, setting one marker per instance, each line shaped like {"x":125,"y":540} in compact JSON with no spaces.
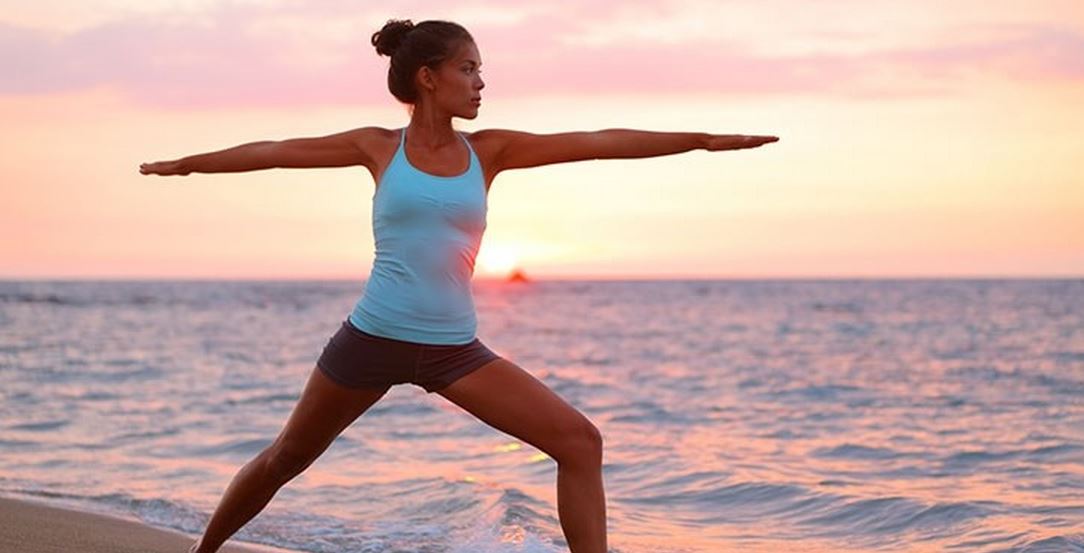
{"x":323,"y":411}
{"x":510,"y":399}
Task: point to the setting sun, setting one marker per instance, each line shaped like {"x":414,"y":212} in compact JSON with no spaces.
{"x":496,"y":260}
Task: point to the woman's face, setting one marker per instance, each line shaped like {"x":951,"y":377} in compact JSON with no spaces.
{"x":458,"y":83}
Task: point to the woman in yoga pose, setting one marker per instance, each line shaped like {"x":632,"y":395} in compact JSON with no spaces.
{"x":415,"y":321}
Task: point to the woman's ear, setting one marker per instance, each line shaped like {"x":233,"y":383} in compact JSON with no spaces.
{"x":425,"y":78}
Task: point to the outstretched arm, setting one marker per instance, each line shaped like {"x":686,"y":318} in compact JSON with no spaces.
{"x":337,"y":150}
{"x":514,"y":149}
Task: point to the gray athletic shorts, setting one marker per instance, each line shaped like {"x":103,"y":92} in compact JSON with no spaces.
{"x":356,"y":359}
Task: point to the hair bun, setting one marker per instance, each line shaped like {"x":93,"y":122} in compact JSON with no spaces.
{"x":388,"y":39}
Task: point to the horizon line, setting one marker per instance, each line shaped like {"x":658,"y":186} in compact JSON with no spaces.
{"x":555,"y":278}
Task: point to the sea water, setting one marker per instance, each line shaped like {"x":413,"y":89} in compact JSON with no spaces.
{"x":772,"y":415}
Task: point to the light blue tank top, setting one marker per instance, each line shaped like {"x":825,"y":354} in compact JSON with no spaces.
{"x":427,"y":229}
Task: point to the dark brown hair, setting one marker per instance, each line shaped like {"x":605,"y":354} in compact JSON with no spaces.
{"x":411,"y":47}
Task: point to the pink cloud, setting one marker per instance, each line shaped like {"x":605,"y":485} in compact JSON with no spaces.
{"x":225,"y":60}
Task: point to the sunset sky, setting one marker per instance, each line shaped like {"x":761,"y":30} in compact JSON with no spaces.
{"x":919,"y":138}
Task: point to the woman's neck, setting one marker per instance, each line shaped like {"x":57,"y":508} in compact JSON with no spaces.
{"x":430,"y":130}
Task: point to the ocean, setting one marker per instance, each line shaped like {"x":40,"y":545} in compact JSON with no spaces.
{"x":737,"y":415}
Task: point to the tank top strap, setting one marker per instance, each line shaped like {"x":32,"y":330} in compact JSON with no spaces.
{"x":401,"y":150}
{"x":470,"y":150}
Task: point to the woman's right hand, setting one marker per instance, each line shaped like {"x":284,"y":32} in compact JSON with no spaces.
{"x":163,"y":168}
{"x":737,"y":141}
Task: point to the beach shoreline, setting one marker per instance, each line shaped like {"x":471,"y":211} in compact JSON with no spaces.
{"x":29,"y":526}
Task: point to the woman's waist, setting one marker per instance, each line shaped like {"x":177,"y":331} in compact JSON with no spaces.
{"x":451,"y":268}
{"x":410,"y":300}
{"x":406,"y":281}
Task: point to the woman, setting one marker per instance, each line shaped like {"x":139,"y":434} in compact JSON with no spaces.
{"x":415,"y":322}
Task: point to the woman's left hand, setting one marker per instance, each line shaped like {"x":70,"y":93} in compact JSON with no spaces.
{"x":164,"y":168}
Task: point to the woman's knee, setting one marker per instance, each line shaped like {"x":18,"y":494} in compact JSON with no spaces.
{"x":285,"y":461}
{"x":581,"y":444}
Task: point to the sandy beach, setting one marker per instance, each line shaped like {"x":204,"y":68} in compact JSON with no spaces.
{"x":31,"y":527}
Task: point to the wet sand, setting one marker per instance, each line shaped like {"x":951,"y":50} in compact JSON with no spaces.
{"x":31,"y":527}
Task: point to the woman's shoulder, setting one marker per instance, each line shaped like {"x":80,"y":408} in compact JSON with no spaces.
{"x":488,"y":134}
{"x":380,"y":133}
{"x":497,"y":136}
{"x":370,"y":137}
{"x":377,"y":140}
{"x":489,"y":139}
{"x":486,"y":143}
